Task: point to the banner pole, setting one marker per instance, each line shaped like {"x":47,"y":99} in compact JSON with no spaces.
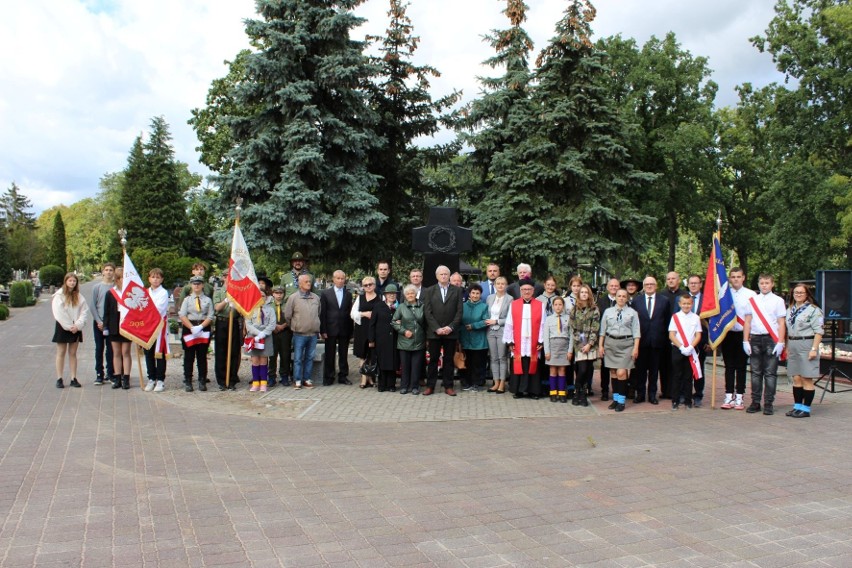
{"x":713,"y":384}
{"x":230,"y":346}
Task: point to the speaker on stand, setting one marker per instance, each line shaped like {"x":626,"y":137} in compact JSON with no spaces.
{"x":834,"y":293}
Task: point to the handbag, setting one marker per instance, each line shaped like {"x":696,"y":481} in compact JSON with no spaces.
{"x":369,"y":367}
{"x":459,"y":359}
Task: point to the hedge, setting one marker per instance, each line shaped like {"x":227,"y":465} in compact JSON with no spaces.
{"x":4,"y":312}
{"x":51,"y":275}
{"x":18,"y":294}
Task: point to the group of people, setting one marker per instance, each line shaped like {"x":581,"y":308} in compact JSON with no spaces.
{"x":529,"y":338}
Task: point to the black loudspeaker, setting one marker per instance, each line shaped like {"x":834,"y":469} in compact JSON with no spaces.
{"x":834,"y":293}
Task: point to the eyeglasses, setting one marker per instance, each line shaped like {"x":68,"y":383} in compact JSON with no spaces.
{"x":371,"y":284}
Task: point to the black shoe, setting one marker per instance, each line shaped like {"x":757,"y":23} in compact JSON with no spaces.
{"x":675,"y":405}
{"x":753,"y":407}
{"x":791,"y":412}
{"x":518,"y":395}
{"x":59,"y":383}
{"x":768,"y":410}
{"x":75,"y":383}
{"x":619,"y":407}
{"x":116,"y":382}
{"x":202,"y":385}
{"x":554,"y":398}
{"x":589,"y":392}
{"x":801,"y":414}
{"x":344,"y":381}
{"x":99,"y":381}
{"x":653,"y":400}
{"x":612,"y":405}
{"x":232,"y":387}
{"x":534,"y":396}
{"x":639,"y":399}
{"x":575,"y":401}
{"x":187,"y":386}
{"x":563,"y":399}
{"x":604,"y":396}
{"x":327,"y":383}
{"x":125,"y":382}
{"x":584,"y":401}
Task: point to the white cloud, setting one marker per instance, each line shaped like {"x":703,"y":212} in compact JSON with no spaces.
{"x":83,"y":78}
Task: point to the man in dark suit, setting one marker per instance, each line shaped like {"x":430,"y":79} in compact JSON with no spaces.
{"x":524,"y":273}
{"x":336,"y":328}
{"x":442,"y":306}
{"x":655,"y":314}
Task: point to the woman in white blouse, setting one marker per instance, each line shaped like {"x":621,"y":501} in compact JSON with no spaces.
{"x":498,"y":308}
{"x":71,"y":313}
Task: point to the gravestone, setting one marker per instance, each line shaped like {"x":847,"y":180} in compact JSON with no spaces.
{"x":441,"y":241}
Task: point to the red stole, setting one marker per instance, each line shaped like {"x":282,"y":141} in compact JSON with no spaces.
{"x":536,"y":315}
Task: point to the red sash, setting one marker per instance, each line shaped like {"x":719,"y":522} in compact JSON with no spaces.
{"x":765,"y":323}
{"x":693,"y":359}
{"x":536,"y":314}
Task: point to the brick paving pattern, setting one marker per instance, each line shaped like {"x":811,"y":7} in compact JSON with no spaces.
{"x":339,"y":476}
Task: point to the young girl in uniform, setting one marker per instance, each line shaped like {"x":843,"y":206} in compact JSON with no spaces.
{"x":71,"y":312}
{"x":557,"y":349}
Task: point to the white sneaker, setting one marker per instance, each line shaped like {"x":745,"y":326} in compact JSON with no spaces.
{"x":729,"y":402}
{"x":160,"y":387}
{"x":150,"y":386}
{"x":297,"y":385}
{"x":739,"y":405}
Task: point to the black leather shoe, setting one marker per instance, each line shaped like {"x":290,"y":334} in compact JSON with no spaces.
{"x":768,"y":411}
{"x":223,"y":388}
{"x":75,"y":383}
{"x":575,"y":401}
{"x":604,"y":396}
{"x":518,"y":395}
{"x":791,"y":412}
{"x":619,"y":407}
{"x":612,"y":405}
{"x":653,"y":400}
{"x":60,"y":384}
{"x":534,"y":396}
{"x":639,"y":399}
{"x":344,"y":381}
{"x":187,"y":387}
{"x":753,"y":407}
{"x":202,"y":385}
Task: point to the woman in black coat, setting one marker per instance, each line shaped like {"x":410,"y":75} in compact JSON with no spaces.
{"x":382,"y":338}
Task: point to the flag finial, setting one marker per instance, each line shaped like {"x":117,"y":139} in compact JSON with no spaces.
{"x":239,"y":207}
{"x":123,"y":234}
{"x":719,"y":221}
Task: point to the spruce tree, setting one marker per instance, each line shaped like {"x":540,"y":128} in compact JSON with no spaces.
{"x":58,"y":252}
{"x":491,"y":122}
{"x":153,"y":202}
{"x":561,"y":176}
{"x":399,"y":94}
{"x":300,"y":157}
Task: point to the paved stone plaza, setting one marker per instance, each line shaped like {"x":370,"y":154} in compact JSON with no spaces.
{"x":339,"y":476}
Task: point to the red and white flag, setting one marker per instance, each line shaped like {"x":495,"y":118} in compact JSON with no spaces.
{"x":241,"y":283}
{"x":142,"y":321}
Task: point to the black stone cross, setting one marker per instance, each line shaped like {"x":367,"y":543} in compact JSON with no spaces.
{"x":441,"y":242}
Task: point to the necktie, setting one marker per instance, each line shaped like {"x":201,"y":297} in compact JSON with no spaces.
{"x":492,"y":287}
{"x":443,"y":294}
{"x":695,"y":304}
{"x":198,"y":304}
{"x":649,"y":305}
{"x":278,"y":311}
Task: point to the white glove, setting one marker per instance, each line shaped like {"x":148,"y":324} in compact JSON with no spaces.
{"x":779,"y":348}
{"x":260,"y":336}
{"x":196,"y":329}
{"x":685,"y":351}
{"x":747,"y":347}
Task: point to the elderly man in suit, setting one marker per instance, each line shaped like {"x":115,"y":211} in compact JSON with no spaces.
{"x":655,"y":313}
{"x":336,"y":329}
{"x":442,"y":306}
{"x":524,"y":273}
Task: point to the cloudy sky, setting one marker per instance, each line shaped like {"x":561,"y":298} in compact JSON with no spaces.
{"x":82,"y":78}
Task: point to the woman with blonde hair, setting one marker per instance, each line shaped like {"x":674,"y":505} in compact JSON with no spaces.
{"x":71,"y":312}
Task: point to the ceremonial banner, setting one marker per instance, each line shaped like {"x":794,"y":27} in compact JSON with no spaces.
{"x":142,"y":321}
{"x":717,"y":304}
{"x":241,"y":284}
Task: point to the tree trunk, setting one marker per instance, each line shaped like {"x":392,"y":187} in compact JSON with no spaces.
{"x":672,"y":240}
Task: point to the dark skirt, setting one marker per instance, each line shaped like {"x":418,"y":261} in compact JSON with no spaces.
{"x":61,"y":335}
{"x":118,"y":338}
